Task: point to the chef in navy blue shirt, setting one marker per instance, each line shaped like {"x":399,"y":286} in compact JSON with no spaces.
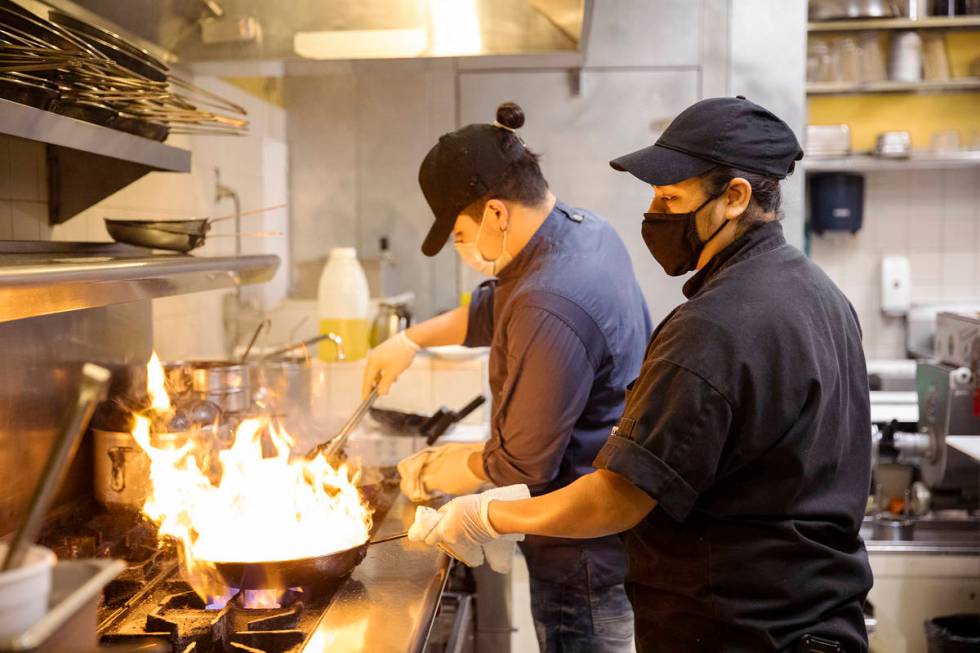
{"x":740,"y":468}
{"x":566,"y":324}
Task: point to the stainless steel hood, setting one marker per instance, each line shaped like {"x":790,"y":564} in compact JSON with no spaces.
{"x":263,"y":35}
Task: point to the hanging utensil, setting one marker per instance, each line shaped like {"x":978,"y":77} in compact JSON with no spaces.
{"x":95,"y":381}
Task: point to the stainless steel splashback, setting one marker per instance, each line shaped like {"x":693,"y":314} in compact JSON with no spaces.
{"x":42,"y":360}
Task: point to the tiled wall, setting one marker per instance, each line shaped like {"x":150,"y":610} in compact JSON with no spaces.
{"x":23,"y":190}
{"x":186,"y":326}
{"x":931,"y":217}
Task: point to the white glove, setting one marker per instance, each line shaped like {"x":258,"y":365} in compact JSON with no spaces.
{"x":464,"y":531}
{"x":387,"y":361}
{"x":443,"y":469}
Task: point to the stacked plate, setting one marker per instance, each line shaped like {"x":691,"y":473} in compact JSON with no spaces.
{"x":828,"y":140}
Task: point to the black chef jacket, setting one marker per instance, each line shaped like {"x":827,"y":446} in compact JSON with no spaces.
{"x":750,"y":426}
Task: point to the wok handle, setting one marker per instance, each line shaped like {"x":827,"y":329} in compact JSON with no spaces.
{"x":389,"y":538}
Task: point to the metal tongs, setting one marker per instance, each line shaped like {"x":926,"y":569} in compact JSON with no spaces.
{"x":334,"y":446}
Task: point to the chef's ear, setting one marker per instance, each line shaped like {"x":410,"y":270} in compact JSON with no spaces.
{"x":496,"y":211}
{"x":737,"y":196}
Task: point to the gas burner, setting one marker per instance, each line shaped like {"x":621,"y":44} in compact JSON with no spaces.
{"x":190,"y":625}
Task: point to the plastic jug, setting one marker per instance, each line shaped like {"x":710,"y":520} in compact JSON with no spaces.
{"x":344,"y":304}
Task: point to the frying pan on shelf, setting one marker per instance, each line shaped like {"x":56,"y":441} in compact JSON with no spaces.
{"x":301,"y":572}
{"x":173,"y":235}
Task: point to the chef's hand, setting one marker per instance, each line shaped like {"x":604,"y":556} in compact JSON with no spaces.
{"x":463,"y":530}
{"x":386,"y":362}
{"x":443,"y":469}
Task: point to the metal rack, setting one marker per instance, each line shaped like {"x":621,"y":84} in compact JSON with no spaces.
{"x":888,"y":86}
{"x":868,"y":163}
{"x":931,"y":22}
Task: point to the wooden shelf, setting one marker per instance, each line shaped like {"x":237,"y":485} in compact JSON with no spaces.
{"x":933,"y":22}
{"x":958,"y":84}
{"x":868,"y":163}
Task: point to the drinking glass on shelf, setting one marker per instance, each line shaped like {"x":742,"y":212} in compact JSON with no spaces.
{"x":872,"y":58}
{"x":935,"y":63}
{"x":947,"y":140}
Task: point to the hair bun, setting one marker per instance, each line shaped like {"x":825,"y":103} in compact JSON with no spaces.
{"x":510,"y":115}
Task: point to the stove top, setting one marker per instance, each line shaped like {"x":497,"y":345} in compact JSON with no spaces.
{"x":149,"y":601}
{"x":174,"y":613}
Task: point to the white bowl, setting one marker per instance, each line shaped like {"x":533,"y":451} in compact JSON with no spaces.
{"x":24,"y":591}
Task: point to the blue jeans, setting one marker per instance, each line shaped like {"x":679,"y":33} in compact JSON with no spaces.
{"x":577,"y":619}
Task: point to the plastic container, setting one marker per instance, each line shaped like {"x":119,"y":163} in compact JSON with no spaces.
{"x":344,"y":304}
{"x":24,"y":591}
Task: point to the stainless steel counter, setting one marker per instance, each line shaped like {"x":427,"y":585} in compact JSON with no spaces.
{"x":931,"y":537}
{"x":390,"y":600}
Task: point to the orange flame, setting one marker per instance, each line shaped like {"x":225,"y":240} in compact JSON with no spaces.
{"x":255,"y":507}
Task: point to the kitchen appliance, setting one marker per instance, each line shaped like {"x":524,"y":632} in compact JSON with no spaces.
{"x":392,"y":317}
{"x":948,"y":389}
{"x":836,"y":202}
{"x":148,"y":604}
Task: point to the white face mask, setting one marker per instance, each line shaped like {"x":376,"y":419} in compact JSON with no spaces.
{"x":472,"y":256}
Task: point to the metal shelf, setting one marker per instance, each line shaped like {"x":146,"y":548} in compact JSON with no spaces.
{"x":932,"y":22}
{"x":41,"y":278}
{"x":52,"y":128}
{"x":850,"y":88}
{"x":868,"y":163}
{"x":87,"y":162}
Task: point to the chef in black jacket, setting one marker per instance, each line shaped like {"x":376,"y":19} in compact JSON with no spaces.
{"x":739,"y":471}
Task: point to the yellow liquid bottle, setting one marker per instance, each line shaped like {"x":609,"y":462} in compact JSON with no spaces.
{"x":343,"y":305}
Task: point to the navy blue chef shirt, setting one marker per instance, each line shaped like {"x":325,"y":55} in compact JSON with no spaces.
{"x":750,"y":426}
{"x":566,"y":324}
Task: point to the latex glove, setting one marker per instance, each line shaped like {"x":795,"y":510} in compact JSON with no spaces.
{"x":448,"y":471}
{"x":465,"y":525}
{"x":387,"y":361}
{"x":410,"y":469}
{"x":426,"y":520}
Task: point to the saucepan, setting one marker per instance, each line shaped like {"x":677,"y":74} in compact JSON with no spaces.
{"x":301,"y":572}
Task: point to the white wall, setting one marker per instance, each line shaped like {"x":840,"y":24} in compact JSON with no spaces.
{"x":929,"y":216}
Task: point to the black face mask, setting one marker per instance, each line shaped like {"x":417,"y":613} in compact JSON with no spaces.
{"x":673,"y":238}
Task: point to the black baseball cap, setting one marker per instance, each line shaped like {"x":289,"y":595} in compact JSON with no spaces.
{"x":460,"y":169}
{"x":732,"y":132}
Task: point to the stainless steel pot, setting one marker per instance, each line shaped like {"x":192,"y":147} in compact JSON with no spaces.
{"x":122,"y":471}
{"x":226,"y":384}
